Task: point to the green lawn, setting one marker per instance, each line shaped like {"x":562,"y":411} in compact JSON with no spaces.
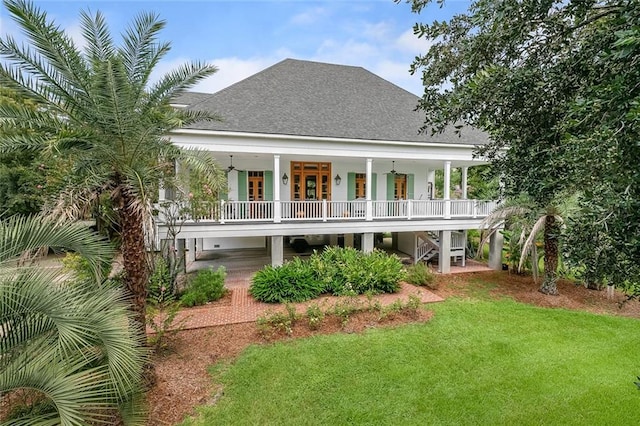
{"x":477,"y":362}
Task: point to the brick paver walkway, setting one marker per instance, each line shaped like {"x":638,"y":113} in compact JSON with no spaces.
{"x":244,"y":308}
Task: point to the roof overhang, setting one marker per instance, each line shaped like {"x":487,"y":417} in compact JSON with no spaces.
{"x":262,"y":143}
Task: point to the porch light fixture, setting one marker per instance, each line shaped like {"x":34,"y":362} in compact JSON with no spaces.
{"x":285,"y":179}
{"x":338,"y":179}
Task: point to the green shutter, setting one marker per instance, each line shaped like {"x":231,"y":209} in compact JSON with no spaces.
{"x":410,"y":179}
{"x":242,"y":185}
{"x":224,"y":190}
{"x":351,"y":186}
{"x":391,"y":182}
{"x":374,"y":186}
{"x":268,"y":185}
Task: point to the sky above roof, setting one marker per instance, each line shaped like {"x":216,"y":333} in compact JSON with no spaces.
{"x":244,"y":37}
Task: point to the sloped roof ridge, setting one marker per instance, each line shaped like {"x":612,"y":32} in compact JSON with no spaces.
{"x":309,"y":98}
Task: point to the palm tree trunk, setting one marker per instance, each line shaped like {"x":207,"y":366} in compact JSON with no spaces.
{"x":134,"y":257}
{"x":551,"y":232}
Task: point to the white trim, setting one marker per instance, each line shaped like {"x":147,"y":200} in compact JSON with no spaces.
{"x":315,"y":138}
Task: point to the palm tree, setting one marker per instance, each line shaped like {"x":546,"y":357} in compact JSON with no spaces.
{"x":99,"y":107}
{"x":527,"y":220}
{"x":68,"y":346}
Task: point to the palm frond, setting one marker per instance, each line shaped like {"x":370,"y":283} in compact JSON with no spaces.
{"x":141,"y":52}
{"x":56,"y":59}
{"x":531,"y":239}
{"x":189,"y":116}
{"x":26,"y":234}
{"x":96,"y":33}
{"x":75,"y":344}
{"x":502,"y":213}
{"x":177,"y":82}
{"x":204,"y":164}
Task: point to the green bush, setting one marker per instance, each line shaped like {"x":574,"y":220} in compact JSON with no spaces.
{"x":420,"y":274}
{"x":347,"y":271}
{"x":315,"y":316}
{"x":206,"y":286}
{"x":294,"y":281}
{"x":272,"y":323}
{"x":340,"y":271}
{"x":78,"y":265}
{"x":160,"y":283}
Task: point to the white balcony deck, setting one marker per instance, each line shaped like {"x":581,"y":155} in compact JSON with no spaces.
{"x":252,"y":212}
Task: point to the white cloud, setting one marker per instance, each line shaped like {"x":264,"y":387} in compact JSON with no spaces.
{"x":348,"y":52}
{"x":398,"y":73}
{"x":409,"y":42}
{"x":309,"y":16}
{"x":75,"y":32}
{"x":376,"y":31}
{"x":232,"y":70}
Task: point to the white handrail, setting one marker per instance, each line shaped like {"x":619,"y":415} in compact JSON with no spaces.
{"x":323,"y":210}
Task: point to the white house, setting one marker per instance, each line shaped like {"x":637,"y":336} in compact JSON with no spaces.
{"x":322,"y":149}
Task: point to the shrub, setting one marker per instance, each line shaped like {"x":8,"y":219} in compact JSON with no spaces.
{"x":413,"y":305}
{"x":206,"y":286}
{"x":375,"y":272}
{"x":329,"y":266}
{"x":272,"y":322}
{"x":160,"y":283}
{"x":160,"y":318}
{"x":294,"y":281}
{"x":420,"y":274}
{"x":347,"y":271}
{"x":78,"y":265}
{"x":315,"y":316}
{"x":341,"y":271}
{"x":345,"y":308}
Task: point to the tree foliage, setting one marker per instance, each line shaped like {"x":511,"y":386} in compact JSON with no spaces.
{"x":67,"y":346}
{"x":98,"y":107}
{"x":554,"y":83}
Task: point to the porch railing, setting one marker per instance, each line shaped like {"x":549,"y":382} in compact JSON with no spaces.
{"x":323,"y":210}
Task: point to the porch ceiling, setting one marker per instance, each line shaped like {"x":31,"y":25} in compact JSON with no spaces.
{"x":224,"y":159}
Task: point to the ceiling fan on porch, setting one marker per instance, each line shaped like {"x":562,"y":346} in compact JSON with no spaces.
{"x":231,"y":166}
{"x":393,"y":168}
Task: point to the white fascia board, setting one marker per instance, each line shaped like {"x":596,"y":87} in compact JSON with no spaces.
{"x":257,"y":143}
{"x":204,"y":230}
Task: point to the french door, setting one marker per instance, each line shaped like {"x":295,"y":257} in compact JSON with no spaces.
{"x":311,"y":181}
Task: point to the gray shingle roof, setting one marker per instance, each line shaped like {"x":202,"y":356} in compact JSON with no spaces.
{"x":304,"y":98}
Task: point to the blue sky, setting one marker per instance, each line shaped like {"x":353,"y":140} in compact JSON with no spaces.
{"x":244,"y":37}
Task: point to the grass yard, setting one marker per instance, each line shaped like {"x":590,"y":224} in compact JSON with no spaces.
{"x":476,"y":362}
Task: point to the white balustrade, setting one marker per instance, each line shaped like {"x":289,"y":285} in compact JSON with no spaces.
{"x":322,"y":210}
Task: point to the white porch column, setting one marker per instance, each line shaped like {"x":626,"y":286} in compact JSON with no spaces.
{"x":367,"y":242}
{"x":277,"y":250}
{"x":495,"y":250}
{"x":348,"y":240}
{"x":180,"y":254}
{"x":431,"y":180}
{"x":444,"y":256}
{"x":369,"y":207}
{"x":199,"y":246}
{"x":465,"y":170}
{"x":277,"y":210}
{"x":191,"y":250}
{"x":447,"y":190}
